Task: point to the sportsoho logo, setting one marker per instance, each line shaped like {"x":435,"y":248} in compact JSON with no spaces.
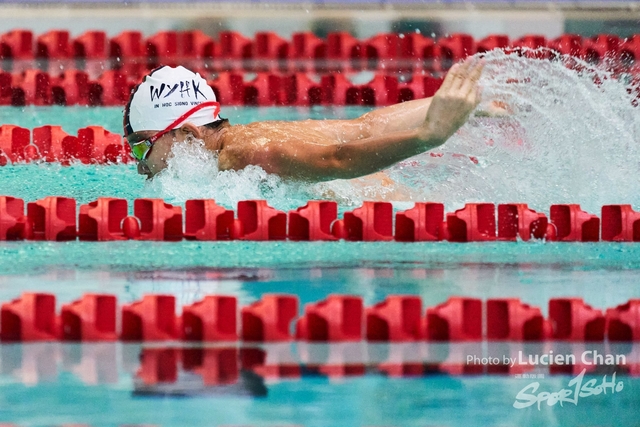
{"x":576,"y":390}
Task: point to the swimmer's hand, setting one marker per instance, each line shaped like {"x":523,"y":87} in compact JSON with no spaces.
{"x":453,"y":102}
{"x":494,"y":109}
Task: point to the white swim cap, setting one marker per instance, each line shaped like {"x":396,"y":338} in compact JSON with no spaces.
{"x":166,"y":95}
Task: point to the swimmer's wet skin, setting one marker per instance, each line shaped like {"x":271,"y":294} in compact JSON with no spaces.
{"x":172,"y":104}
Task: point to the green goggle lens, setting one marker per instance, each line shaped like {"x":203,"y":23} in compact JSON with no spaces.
{"x":139,"y":150}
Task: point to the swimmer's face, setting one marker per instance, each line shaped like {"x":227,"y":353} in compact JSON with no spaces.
{"x":158,"y":155}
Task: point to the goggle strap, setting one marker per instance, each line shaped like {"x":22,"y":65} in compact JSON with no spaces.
{"x":184,"y":117}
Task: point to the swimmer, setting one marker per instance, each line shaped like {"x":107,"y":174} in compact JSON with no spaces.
{"x":172,"y":104}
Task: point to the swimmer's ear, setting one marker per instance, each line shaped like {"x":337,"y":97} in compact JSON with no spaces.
{"x":192,"y":129}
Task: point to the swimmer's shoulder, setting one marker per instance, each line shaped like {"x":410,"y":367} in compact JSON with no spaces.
{"x":255,"y":143}
{"x":234,"y":148}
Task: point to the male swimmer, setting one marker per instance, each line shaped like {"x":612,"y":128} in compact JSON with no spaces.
{"x":172,"y":103}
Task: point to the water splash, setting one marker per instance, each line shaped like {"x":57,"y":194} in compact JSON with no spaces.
{"x":568,"y":140}
{"x":192,"y":173}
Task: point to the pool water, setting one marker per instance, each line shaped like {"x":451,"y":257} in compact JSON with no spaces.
{"x":45,"y":384}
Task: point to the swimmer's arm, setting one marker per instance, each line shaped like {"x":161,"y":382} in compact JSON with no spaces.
{"x":394,"y":118}
{"x":302,"y":157}
{"x":306,"y":160}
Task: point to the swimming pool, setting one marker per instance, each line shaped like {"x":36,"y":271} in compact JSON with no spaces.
{"x":338,"y":384}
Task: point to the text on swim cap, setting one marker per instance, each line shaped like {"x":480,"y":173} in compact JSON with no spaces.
{"x":177,"y":104}
{"x":186,"y":87}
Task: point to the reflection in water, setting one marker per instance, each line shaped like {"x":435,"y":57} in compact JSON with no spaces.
{"x":246,"y":370}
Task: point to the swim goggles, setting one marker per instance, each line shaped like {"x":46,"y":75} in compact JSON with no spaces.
{"x":140,"y":150}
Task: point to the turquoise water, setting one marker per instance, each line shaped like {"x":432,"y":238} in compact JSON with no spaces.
{"x":52,"y":384}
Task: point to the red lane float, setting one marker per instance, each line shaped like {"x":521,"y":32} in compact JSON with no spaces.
{"x":13,"y":143}
{"x":158,"y":220}
{"x":313,"y":221}
{"x":494,"y":41}
{"x":29,"y":318}
{"x":205,"y":220}
{"x":457,"y":319}
{"x":373,"y":221}
{"x":101,"y":220}
{"x":508,"y":319}
{"x":91,"y":318}
{"x":572,"y":224}
{"x":52,"y":218}
{"x":620,"y":223}
{"x":573,"y":320}
{"x":306,"y":50}
{"x":623,"y":322}
{"x":16,"y":45}
{"x":516,"y":220}
{"x":54,"y":144}
{"x":151,"y":319}
{"x":259,"y":221}
{"x":269,"y":318}
{"x":475,"y":222}
{"x":454,"y":48}
{"x":212,"y":319}
{"x":13,"y":222}
{"x":421,"y":223}
{"x":397,"y":318}
{"x":338,"y":318}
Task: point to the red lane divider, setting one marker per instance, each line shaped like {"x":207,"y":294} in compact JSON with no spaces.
{"x":112,"y":67}
{"x":112,"y":88}
{"x":54,"y":218}
{"x":93,"y":144}
{"x":338,"y":318}
{"x":339,"y":51}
